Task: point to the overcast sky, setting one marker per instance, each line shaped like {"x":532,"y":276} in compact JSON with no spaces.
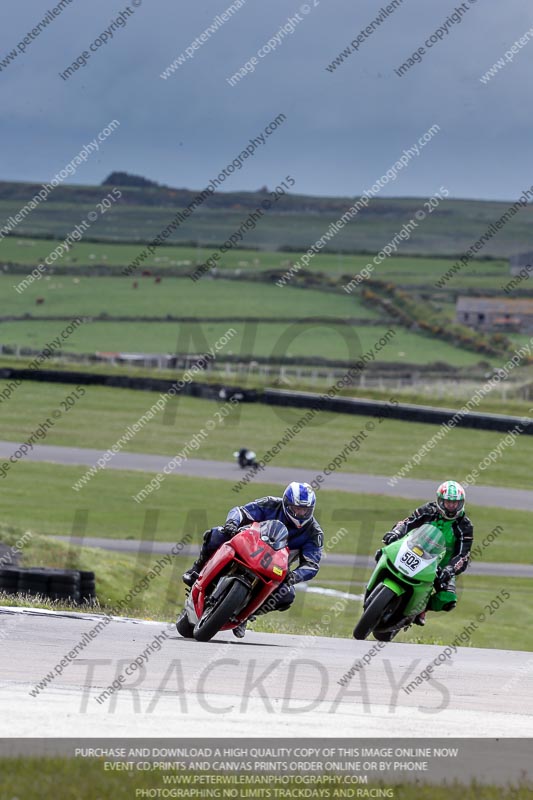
{"x":343,"y":128}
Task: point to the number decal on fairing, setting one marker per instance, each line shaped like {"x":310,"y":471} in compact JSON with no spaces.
{"x":410,"y":560}
{"x":267,"y":558}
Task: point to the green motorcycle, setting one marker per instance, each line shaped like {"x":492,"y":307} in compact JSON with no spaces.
{"x":402,"y":583}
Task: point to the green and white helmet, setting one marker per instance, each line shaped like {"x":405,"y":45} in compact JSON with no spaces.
{"x":451,"y":499}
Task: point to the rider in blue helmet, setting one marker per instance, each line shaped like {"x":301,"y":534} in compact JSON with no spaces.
{"x":296,"y":511}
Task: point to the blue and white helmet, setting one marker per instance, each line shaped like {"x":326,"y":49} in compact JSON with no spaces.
{"x":299,"y":502}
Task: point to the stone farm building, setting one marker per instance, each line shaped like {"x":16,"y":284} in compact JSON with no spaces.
{"x":495,"y":314}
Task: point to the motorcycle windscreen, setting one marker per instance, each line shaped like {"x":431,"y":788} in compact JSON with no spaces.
{"x":428,"y":538}
{"x":422,"y":547}
{"x":274,"y":533}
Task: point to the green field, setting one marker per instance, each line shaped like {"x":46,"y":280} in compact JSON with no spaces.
{"x":100,"y":417}
{"x":422,"y":270}
{"x":113,"y":297}
{"x":100,"y":297}
{"x":274,"y":341}
{"x":178,"y":257}
{"x":178,"y":297}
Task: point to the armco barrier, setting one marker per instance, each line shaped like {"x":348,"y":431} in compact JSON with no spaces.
{"x":280,"y":397}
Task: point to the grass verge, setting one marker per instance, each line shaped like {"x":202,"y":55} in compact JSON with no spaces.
{"x":39,"y":498}
{"x":86,"y":779}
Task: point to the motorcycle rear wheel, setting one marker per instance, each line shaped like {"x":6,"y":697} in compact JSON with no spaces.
{"x":214,"y":619}
{"x":373,"y":612}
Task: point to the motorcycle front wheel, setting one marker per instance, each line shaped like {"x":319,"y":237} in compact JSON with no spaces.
{"x":217,"y":616}
{"x":183,"y":626}
{"x":372,"y":614}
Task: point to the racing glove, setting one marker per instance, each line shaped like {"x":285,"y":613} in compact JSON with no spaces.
{"x":443,"y":578}
{"x":290,"y":578}
{"x":230,"y":528}
{"x":391,"y":536}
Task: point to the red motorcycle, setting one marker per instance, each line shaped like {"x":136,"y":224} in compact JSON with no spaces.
{"x":236,"y":580}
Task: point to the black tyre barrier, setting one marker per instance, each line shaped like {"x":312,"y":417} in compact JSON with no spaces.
{"x":10,"y":573}
{"x":9,"y":578}
{"x":69,"y":591}
{"x":33,"y":592}
{"x":75,"y":586}
{"x":7,"y":585}
{"x":73,"y":596}
{"x":64,"y":580}
{"x":39,"y":575}
{"x":56,"y":571}
{"x":27,"y":584}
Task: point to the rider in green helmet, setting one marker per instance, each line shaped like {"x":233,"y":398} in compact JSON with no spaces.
{"x":448,"y":514}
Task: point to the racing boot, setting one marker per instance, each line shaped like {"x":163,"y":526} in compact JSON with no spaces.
{"x":420,"y":619}
{"x":190,"y":577}
{"x":240,"y":630}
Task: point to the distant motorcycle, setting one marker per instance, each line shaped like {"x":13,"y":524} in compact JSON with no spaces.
{"x":402,"y":582}
{"x":245,"y":458}
{"x":236,"y":580}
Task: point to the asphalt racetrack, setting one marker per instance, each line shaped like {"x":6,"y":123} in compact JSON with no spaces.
{"x":492,"y":496}
{"x":264,"y":684}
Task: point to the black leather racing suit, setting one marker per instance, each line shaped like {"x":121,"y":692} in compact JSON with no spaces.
{"x":462,"y":528}
{"x":463,"y":531}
